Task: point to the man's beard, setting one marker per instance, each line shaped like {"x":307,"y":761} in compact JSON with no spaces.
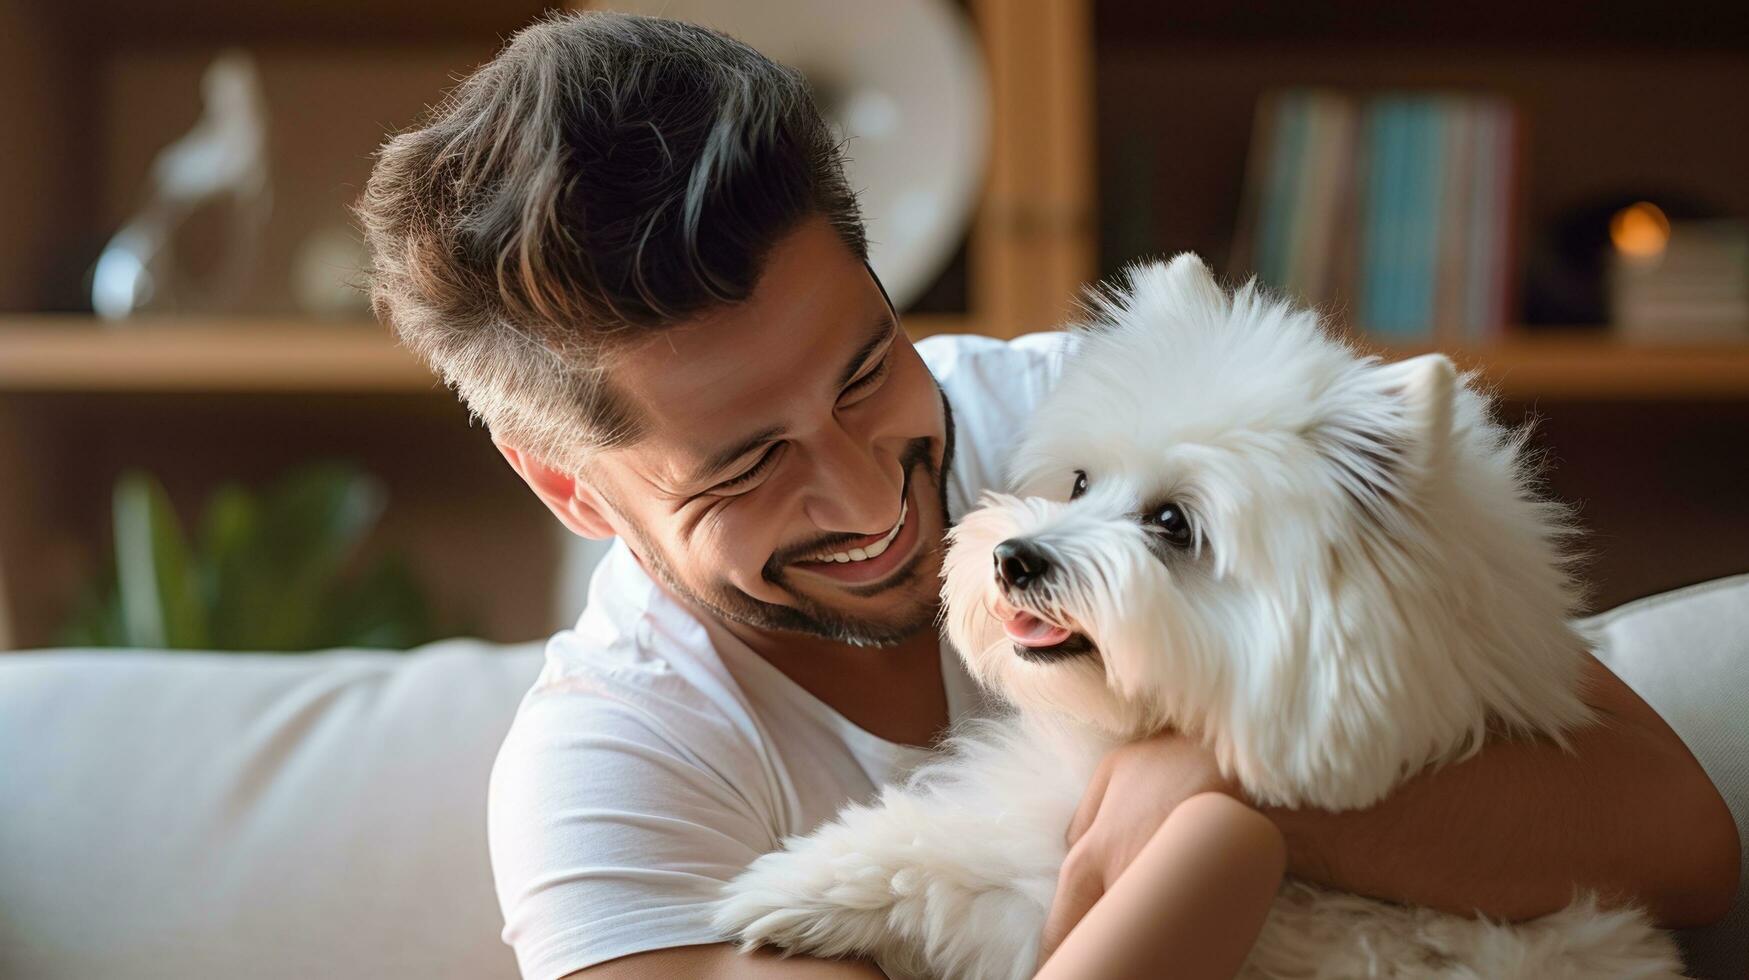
{"x":809,"y":616}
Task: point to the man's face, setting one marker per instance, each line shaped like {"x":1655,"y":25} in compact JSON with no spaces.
{"x":795,"y":425}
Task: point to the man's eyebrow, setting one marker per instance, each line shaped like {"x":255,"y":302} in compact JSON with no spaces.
{"x":884,"y":328}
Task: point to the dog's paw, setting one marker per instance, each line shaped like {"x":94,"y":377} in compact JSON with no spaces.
{"x":758,"y":916}
{"x":806,"y":901}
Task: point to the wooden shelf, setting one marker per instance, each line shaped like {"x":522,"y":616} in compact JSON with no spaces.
{"x":1582,"y":365}
{"x":73,"y":353}
{"x":59,"y":353}
{"x":80,"y":353}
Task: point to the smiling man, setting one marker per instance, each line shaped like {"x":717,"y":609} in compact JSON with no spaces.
{"x":629,"y":245}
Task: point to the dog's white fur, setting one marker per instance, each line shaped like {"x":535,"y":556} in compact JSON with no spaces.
{"x":1372,"y":589}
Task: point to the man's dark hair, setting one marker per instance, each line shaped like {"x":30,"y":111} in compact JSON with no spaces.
{"x":605,"y":175}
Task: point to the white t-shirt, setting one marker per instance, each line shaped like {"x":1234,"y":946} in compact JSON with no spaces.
{"x":648,"y":764}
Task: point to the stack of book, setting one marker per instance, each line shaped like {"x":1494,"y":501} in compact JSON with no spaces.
{"x":1695,"y":287}
{"x":1393,"y":212}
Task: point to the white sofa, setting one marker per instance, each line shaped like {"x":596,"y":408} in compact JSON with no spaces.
{"x":196,"y":816}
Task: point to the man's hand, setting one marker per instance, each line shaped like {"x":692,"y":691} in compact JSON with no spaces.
{"x":1134,"y":790}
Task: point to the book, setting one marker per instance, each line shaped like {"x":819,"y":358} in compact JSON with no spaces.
{"x":1456,"y":226}
{"x":1396,"y":209}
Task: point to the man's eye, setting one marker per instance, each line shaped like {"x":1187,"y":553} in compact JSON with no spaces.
{"x":870,"y":379}
{"x":1080,"y":486}
{"x":753,"y":472}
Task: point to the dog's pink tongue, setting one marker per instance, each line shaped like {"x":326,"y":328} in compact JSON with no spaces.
{"x":1030,"y":631}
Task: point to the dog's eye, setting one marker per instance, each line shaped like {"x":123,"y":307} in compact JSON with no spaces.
{"x":1171,"y":523}
{"x":1080,"y":484}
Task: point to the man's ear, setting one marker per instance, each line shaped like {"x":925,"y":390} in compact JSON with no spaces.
{"x":573,"y":502}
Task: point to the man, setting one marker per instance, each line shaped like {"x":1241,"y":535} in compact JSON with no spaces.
{"x":629,"y":245}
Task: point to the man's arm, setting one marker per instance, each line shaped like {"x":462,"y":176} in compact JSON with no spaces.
{"x":1512,"y":830}
{"x":724,"y":962}
{"x":1509,"y":832}
{"x":1190,"y":905}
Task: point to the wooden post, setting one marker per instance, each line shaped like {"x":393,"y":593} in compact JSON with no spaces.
{"x":1033,"y":241}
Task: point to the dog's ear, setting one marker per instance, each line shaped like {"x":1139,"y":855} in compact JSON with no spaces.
{"x":1157,"y":295}
{"x":1394,"y":433}
{"x":1187,"y":285}
{"x":1423,"y":388}
{"x":1182,"y":289}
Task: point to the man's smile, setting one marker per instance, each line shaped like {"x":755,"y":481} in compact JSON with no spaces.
{"x":881,"y":554}
{"x":871,"y":547}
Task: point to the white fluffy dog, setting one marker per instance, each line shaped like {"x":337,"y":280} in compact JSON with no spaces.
{"x":1330,"y":569}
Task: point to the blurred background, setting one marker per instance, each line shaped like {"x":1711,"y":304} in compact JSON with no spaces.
{"x":206,"y":442}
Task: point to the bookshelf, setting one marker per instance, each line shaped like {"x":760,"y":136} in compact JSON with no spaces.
{"x":1120,"y":129}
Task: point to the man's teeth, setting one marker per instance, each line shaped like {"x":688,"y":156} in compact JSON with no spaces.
{"x":874,"y":550}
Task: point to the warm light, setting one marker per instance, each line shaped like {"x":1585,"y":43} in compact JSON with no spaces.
{"x":1640,"y":230}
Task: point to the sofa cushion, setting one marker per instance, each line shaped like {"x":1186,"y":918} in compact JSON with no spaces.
{"x":1686,"y":653}
{"x":195,"y":815}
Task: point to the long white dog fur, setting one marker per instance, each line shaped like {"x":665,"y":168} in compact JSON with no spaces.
{"x":1359,"y":582}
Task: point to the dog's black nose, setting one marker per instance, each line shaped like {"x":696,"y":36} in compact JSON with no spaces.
{"x":1019,"y":563}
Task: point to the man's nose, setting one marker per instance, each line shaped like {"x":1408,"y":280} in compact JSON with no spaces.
{"x":856,"y":488}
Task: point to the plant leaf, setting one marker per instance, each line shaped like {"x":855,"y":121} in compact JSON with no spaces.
{"x":382,"y":609}
{"x":315,"y":522}
{"x":267,"y":574}
{"x":160,"y":595}
{"x":231,"y":581}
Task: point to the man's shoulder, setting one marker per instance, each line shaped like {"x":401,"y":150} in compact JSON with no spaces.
{"x":993,"y":387}
{"x":950,"y":354}
{"x":627,"y":720}
{"x":633,"y":674}
{"x":630,"y":642}
{"x":599,"y":678}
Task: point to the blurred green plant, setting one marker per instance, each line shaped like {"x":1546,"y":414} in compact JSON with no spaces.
{"x":267,"y":572}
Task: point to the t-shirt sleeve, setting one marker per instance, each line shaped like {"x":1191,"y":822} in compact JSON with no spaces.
{"x":608,"y":835}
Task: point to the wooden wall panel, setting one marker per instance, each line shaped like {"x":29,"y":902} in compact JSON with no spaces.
{"x":40,"y":160}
